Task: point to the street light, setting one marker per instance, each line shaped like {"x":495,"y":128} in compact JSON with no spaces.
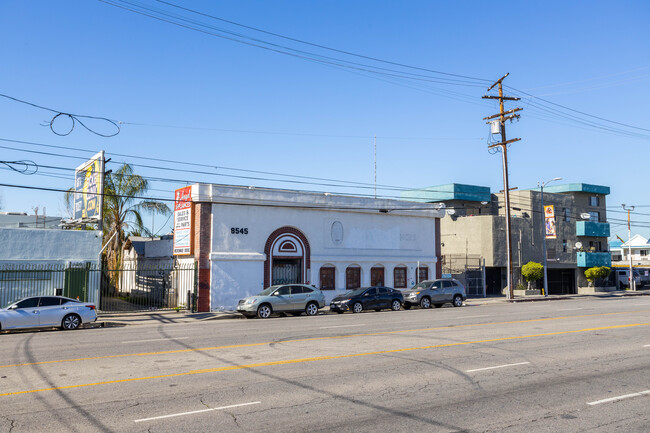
{"x":541,"y":185}
{"x":629,"y":244}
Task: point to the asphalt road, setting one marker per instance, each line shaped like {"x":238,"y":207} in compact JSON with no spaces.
{"x":573,"y":365}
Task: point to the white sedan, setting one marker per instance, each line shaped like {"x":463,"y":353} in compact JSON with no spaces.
{"x":46,"y":312}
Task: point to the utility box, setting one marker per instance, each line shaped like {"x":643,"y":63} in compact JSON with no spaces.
{"x":495,"y":127}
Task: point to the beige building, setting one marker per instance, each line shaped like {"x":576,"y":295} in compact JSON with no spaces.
{"x":475,"y":229}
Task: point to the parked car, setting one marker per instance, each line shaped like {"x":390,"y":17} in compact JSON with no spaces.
{"x":622,"y":278}
{"x":368,"y":298}
{"x":285,"y":298}
{"x":46,"y":312}
{"x":436,"y":293}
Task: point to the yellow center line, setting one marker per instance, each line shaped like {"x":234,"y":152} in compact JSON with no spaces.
{"x":322,"y":358}
{"x":333,"y":337}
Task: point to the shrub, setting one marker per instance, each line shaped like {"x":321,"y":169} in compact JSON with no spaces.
{"x":597,"y":274}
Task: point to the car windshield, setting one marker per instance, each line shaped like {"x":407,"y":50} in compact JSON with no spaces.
{"x":356,"y":292}
{"x":267,"y":291}
{"x":10,"y":303}
{"x":422,"y":285}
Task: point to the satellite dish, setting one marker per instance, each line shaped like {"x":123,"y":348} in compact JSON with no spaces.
{"x":451,"y":211}
{"x":578,"y":245}
{"x":585,"y":216}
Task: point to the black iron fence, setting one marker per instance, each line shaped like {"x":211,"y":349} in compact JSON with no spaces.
{"x":132,"y":287}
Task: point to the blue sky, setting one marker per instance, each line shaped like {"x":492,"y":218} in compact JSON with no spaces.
{"x":188,"y":96}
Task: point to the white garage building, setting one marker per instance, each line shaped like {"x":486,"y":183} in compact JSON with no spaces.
{"x":248,"y":238}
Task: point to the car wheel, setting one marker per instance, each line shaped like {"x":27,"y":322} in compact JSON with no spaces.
{"x":396,"y":305}
{"x":458,"y":301}
{"x":264,"y":311}
{"x":425,"y":303}
{"x":70,"y":322}
{"x":357,"y":307}
{"x":311,"y":309}
{"x":437,"y":305}
{"x":407,"y":306}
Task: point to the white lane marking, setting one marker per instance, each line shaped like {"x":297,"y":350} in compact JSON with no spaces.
{"x":646,"y":345}
{"x":620,"y":397}
{"x":341,"y":326}
{"x":473,"y":317}
{"x":498,"y":366}
{"x":197,"y":411}
{"x":157,"y":339}
{"x":569,"y":309}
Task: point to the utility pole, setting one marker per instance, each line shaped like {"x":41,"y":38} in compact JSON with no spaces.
{"x":503,"y":146}
{"x":629,"y":245}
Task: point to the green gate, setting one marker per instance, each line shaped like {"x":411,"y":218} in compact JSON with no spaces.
{"x":76,"y":283}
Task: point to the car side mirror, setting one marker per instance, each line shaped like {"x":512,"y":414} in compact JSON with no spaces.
{"x":13,"y":307}
{"x":366,"y":294}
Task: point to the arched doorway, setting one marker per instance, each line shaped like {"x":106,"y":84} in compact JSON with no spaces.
{"x":287,"y":257}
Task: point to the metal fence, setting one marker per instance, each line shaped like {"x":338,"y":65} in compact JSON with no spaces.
{"x":468,"y":269}
{"x":130,"y":288}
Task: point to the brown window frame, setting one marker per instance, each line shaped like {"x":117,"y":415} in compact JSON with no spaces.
{"x":419,"y":271}
{"x":374,"y":281}
{"x":403,"y":278}
{"x":352,"y":277}
{"x":325,"y":270}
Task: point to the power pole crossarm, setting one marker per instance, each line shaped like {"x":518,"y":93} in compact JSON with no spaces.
{"x":504,"y":98}
{"x":500,"y":114}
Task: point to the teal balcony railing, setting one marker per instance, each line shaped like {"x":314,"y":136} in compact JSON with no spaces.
{"x":590,"y":228}
{"x":589,"y":260}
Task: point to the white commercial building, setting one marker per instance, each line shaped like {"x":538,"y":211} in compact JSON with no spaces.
{"x":245,"y":239}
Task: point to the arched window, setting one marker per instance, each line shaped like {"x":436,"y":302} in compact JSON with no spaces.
{"x":377,"y":275}
{"x":327,"y":278}
{"x":352,"y":277}
{"x":399,"y":277}
{"x":422,"y":273}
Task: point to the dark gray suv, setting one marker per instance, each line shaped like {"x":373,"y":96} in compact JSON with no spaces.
{"x":436,"y":293}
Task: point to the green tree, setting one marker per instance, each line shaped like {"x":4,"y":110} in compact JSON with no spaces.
{"x":597,"y":274}
{"x":532,"y":271}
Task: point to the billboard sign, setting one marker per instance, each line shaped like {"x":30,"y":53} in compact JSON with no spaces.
{"x":549,"y":219}
{"x":89,"y":188}
{"x":183,"y":221}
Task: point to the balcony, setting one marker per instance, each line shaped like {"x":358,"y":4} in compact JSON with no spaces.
{"x":589,"y":260}
{"x":590,"y":228}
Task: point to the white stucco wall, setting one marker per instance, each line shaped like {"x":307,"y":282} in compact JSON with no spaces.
{"x":24,"y":249}
{"x":403,"y":236}
{"x":41,"y":246}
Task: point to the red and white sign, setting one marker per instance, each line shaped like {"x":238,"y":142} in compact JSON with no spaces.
{"x":183,"y":221}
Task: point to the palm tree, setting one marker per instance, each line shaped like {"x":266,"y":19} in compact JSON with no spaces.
{"x":123,"y":208}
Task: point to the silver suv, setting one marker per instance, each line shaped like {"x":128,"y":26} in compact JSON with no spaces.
{"x":436,"y":293}
{"x":287,"y":298}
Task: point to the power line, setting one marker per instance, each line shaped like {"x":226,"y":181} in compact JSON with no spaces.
{"x":75,"y":118}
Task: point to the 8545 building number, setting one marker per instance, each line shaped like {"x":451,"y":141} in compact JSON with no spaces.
{"x":239,"y":231}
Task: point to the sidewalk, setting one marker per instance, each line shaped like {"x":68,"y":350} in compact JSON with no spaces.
{"x":169,"y":317}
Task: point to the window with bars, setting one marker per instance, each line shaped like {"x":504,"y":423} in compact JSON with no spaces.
{"x":327,"y":281}
{"x":423,"y":273}
{"x":352,"y":277}
{"x":399,"y":277}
